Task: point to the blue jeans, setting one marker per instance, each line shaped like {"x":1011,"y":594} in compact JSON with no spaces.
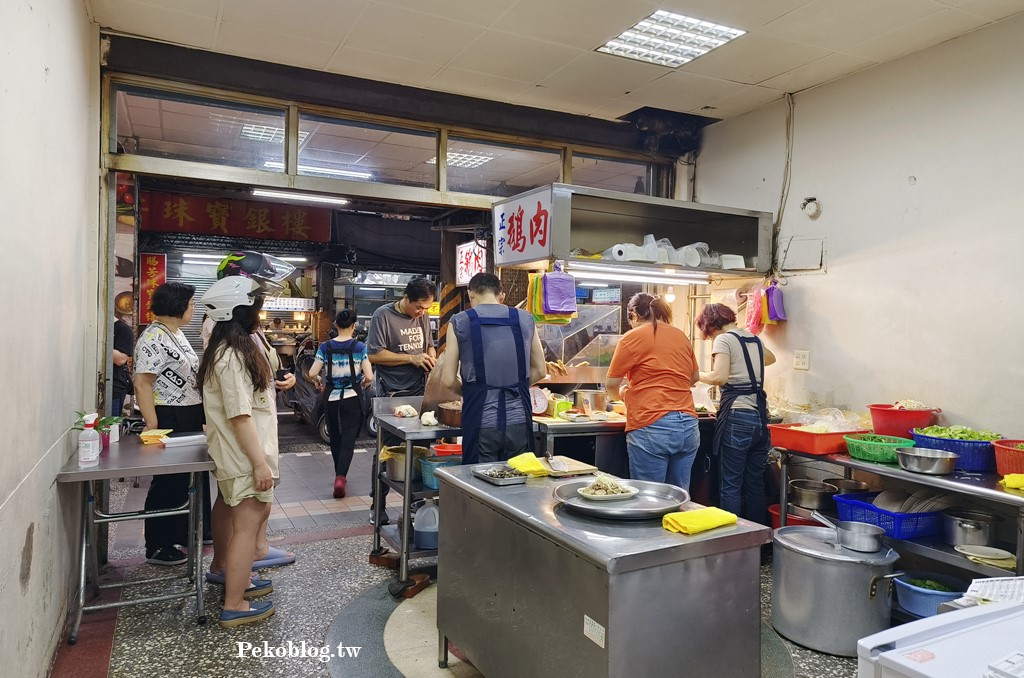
{"x":664,"y":451}
{"x":742,"y":459}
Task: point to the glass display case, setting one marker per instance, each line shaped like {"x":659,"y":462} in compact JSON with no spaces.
{"x":585,"y":346}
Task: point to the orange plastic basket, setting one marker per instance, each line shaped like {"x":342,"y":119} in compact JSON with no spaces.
{"x":784,"y":436}
{"x":1008,"y":458}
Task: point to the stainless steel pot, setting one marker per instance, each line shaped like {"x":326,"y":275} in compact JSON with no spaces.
{"x":812,"y":494}
{"x":848,"y":485}
{"x":595,"y":400}
{"x":969,"y":527}
{"x":827,"y":599}
{"x":855,"y":536}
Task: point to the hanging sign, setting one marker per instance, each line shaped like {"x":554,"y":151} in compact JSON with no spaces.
{"x":175,"y":213}
{"x":470,"y":259}
{"x":522,"y":228}
{"x":152,"y":274}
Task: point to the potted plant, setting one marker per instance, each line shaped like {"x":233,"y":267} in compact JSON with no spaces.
{"x":102,"y":427}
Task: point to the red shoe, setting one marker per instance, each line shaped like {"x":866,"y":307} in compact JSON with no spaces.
{"x":340,"y":482}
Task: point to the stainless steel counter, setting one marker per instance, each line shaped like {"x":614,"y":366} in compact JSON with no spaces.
{"x":526,"y":588}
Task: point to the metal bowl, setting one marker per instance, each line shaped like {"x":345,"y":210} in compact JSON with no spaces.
{"x":812,"y":494}
{"x":925,"y":460}
{"x":848,"y":485}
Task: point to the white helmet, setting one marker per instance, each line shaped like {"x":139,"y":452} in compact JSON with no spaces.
{"x":227,"y":294}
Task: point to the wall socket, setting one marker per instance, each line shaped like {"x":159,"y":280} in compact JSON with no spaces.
{"x":801,"y":360}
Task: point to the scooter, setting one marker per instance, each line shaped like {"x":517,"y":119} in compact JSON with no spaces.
{"x":307,"y":402}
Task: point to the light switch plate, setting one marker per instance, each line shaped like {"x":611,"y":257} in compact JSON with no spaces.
{"x":801,"y":360}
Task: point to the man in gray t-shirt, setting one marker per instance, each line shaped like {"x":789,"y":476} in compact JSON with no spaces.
{"x":399,"y":342}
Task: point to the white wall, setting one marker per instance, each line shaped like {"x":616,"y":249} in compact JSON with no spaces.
{"x":919,"y":165}
{"x":49,"y":122}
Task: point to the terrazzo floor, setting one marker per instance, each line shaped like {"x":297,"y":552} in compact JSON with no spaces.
{"x":329,"y":595}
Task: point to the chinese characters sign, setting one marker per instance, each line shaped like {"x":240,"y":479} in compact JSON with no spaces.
{"x":152,"y":274}
{"x":170,"y":212}
{"x":522,"y":228}
{"x":470,"y":259}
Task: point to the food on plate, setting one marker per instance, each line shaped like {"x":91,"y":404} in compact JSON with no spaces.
{"x":957,"y":433}
{"x":503,"y":472}
{"x":909,"y":404}
{"x":428,"y":419}
{"x":406,"y":411}
{"x":604,"y":486}
{"x":930,"y":584}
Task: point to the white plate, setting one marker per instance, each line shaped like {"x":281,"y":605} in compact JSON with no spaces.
{"x":633,"y":491}
{"x":984,"y":552}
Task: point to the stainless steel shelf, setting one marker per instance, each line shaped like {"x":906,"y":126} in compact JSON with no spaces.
{"x":418,"y":490}
{"x":390,"y":534}
{"x":938,"y":550}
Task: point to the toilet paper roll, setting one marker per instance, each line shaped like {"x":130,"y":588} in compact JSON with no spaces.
{"x":627,"y":252}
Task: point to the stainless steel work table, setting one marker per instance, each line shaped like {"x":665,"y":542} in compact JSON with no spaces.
{"x":411,"y":431}
{"x":130,"y":457}
{"x":526,"y":588}
{"x":550,"y":428}
{"x":979,"y":485}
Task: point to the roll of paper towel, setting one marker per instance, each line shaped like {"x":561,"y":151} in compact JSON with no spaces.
{"x":626,"y":252}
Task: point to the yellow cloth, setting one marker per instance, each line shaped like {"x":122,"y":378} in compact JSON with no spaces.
{"x":154,"y":435}
{"x":528,"y":463}
{"x":1004,"y":563}
{"x":1014,"y":481}
{"x":698,"y":520}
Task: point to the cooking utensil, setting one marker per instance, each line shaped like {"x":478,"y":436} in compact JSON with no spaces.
{"x":812,"y":494}
{"x":925,"y":460}
{"x":847,"y":485}
{"x":652,"y":501}
{"x":555,"y":464}
{"x":855,"y":536}
{"x":972,"y":527}
{"x":591,"y":400}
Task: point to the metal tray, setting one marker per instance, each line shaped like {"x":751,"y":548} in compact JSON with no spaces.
{"x":653,"y":501}
{"x":478,"y":471}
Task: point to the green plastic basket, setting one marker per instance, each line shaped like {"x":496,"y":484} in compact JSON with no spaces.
{"x":884,"y":453}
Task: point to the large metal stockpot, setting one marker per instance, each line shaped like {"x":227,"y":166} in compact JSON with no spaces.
{"x":828,"y":598}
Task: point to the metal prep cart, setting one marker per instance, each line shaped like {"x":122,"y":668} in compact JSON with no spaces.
{"x":527,"y":589}
{"x":126,"y":458}
{"x":399,"y":537}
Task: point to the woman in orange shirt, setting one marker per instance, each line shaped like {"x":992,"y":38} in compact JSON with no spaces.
{"x":657,"y":363}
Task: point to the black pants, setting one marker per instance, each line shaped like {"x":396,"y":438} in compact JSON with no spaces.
{"x":171,"y":490}
{"x":497,"y":445}
{"x":343,"y":421}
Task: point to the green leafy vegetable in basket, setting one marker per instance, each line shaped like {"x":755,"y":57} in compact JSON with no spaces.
{"x":1020,"y":446}
{"x":872,"y":438}
{"x":930,"y":584}
{"x":957,"y":433}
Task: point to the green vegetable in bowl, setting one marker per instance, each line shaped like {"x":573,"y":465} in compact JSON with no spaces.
{"x":1020,"y":446}
{"x":873,"y":438}
{"x":930,"y":584}
{"x":957,"y":433}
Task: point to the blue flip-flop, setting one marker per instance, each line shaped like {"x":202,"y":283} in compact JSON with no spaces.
{"x":256,"y":612}
{"x":275,"y":558}
{"x":218,"y":577}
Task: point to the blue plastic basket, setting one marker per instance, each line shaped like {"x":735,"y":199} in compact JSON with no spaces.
{"x":925,"y":602}
{"x":858,"y":507}
{"x":975,"y":455}
{"x":431,"y":464}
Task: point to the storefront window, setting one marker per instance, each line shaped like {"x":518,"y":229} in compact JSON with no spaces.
{"x":361,"y":152}
{"x":495,"y":169}
{"x":168,"y":125}
{"x":612,"y":175}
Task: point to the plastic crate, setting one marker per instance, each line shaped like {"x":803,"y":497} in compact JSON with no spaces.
{"x":431,"y":464}
{"x":887,"y":420}
{"x":975,"y":455}
{"x":858,"y":508}
{"x":884,"y":453}
{"x":1008,"y":458}
{"x":784,"y":435}
{"x":925,"y":602}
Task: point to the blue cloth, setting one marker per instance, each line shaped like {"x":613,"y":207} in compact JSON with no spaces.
{"x":742,"y":457}
{"x":340,"y":372}
{"x":664,"y":451}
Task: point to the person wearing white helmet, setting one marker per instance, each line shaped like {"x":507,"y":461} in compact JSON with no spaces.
{"x":241,"y":415}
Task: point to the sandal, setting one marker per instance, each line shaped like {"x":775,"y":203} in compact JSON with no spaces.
{"x":275,"y":557}
{"x":256,"y":612}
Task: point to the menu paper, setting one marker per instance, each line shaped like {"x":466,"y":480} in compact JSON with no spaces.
{"x":998,"y":589}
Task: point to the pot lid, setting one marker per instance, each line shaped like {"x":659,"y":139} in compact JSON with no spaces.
{"x":819,"y":542}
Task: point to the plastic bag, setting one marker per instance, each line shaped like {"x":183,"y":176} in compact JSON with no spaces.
{"x":776,"y":309}
{"x":753,"y":322}
{"x":559,"y":292}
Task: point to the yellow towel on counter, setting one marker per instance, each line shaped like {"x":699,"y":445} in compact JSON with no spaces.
{"x":528,"y":463}
{"x":1004,"y":563}
{"x":698,"y":520}
{"x":1014,"y":481}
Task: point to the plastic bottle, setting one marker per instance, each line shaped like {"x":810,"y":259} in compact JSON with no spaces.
{"x":89,"y":443}
{"x":424,"y":525}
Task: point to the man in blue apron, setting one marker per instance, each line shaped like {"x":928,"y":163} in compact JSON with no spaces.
{"x":497,"y":353}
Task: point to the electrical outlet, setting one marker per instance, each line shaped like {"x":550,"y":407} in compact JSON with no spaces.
{"x":801,"y":360}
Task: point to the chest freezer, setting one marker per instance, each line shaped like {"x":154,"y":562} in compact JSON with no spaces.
{"x":978,"y":642}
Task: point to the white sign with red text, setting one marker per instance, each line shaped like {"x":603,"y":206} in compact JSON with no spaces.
{"x":470,"y":259}
{"x":522,"y":229}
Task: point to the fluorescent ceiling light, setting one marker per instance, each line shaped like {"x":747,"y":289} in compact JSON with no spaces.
{"x":192,"y":255}
{"x":669,"y":39}
{"x":315,"y":169}
{"x":269,"y":133}
{"x":593,"y":284}
{"x":466,"y":160}
{"x":371,"y":289}
{"x":300,"y":259}
{"x":678,"y":276}
{"x":626,"y":277}
{"x":299,"y":197}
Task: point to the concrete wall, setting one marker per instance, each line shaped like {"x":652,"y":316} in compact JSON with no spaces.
{"x":918,"y":165}
{"x":49,"y":122}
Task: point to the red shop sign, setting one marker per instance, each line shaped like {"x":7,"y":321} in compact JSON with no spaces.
{"x":152,"y":274}
{"x":175,"y":213}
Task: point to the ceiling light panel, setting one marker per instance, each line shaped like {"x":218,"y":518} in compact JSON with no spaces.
{"x":467,"y":160}
{"x":669,"y":39}
{"x":269,"y":133}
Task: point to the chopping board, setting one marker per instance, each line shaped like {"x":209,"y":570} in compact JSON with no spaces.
{"x":575,"y":468}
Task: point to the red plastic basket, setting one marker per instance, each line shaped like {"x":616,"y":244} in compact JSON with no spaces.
{"x":783,"y":435}
{"x":889,"y":421}
{"x":790,"y":519}
{"x":1008,"y":458}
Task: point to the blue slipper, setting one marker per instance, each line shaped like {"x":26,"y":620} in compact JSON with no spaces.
{"x":257,"y":612}
{"x":275,"y":557}
{"x":218,"y":577}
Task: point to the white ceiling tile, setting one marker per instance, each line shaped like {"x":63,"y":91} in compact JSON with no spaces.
{"x":322,"y":20}
{"x":146,"y":132}
{"x":267,"y":44}
{"x":414,"y":155}
{"x":683,"y":92}
{"x":614,"y":110}
{"x":478,"y":13}
{"x":144,"y":116}
{"x":539,"y":97}
{"x":514,"y":56}
{"x":385,"y":67}
{"x":161,"y":23}
{"x":753,"y":58}
{"x":319,"y":129}
{"x":403,"y":33}
{"x":577,"y":23}
{"x":742,"y":14}
{"x":824,"y":70}
{"x":603,"y":76}
{"x":412,"y":140}
{"x":917,"y":36}
{"x":748,"y":100}
{"x":993,"y":9}
{"x":838,"y":24}
{"x":469,"y":83}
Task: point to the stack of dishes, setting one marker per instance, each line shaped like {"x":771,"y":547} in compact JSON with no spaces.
{"x":922,"y":501}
